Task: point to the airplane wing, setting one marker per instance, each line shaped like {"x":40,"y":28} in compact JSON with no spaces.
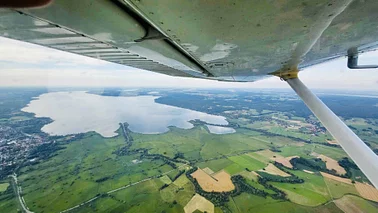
{"x":222,"y":40}
{"x":214,"y":39}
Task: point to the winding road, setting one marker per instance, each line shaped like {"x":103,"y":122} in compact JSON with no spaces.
{"x":19,"y":192}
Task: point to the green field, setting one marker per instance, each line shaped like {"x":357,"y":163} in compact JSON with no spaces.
{"x":362,"y":205}
{"x":288,"y":207}
{"x":215,"y":165}
{"x":258,"y":157}
{"x":168,"y":194}
{"x":285,"y":132}
{"x":144,"y":197}
{"x":230,"y":144}
{"x":299,"y":194}
{"x":312,"y":192}
{"x":256,"y":185}
{"x":251,"y":203}
{"x":249,"y":175}
{"x":74,"y":175}
{"x":234,"y":169}
{"x":246,"y":161}
{"x":306,"y":150}
{"x":365,"y":129}
{"x":172,"y":174}
{"x":181,"y":181}
{"x":3,"y":187}
{"x":339,"y":189}
{"x":165,"y":179}
{"x":8,"y":200}
{"x":196,"y":143}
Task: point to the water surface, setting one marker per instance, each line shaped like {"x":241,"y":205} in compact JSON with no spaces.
{"x":79,"y":112}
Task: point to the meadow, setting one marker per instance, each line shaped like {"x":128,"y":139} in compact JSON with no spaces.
{"x":84,"y":169}
{"x":88,"y":167}
{"x":8,"y":199}
{"x":146,"y":174}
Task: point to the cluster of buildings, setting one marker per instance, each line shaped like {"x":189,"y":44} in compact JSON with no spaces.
{"x":15,"y":146}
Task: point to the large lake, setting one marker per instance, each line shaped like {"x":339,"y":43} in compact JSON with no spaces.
{"x":79,"y":112}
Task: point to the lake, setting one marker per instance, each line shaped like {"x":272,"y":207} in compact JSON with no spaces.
{"x":80,"y":112}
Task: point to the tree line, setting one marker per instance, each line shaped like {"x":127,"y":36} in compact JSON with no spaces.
{"x":221,"y":198}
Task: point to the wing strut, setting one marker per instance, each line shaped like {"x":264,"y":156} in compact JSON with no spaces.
{"x":361,"y":154}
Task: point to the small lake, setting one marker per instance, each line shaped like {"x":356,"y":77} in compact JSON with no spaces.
{"x":80,"y":112}
{"x":220,"y":130}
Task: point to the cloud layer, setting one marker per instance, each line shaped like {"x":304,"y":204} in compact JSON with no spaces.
{"x":24,"y":64}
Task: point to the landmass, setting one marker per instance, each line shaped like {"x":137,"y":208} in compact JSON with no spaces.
{"x":279,"y":159}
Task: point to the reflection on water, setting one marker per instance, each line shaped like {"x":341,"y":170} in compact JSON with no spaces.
{"x":79,"y":112}
{"x":220,"y":130}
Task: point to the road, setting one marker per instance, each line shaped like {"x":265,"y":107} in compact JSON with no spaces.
{"x":19,"y":192}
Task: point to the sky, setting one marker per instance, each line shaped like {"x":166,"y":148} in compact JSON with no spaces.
{"x":25,"y":64}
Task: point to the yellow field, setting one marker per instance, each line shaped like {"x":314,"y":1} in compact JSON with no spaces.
{"x":271,"y":169}
{"x":333,"y":177}
{"x":199,"y":203}
{"x":332,"y":142}
{"x":219,"y":182}
{"x":249,"y":175}
{"x":276,"y":157}
{"x":225,"y":180}
{"x":208,"y":170}
{"x":367,"y":191}
{"x":4,"y":186}
{"x":286,"y":161}
{"x":268,"y":153}
{"x":332,"y":164}
{"x":350,"y":204}
{"x":258,"y":157}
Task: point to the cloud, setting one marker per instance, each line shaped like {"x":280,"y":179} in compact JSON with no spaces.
{"x":24,"y":64}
